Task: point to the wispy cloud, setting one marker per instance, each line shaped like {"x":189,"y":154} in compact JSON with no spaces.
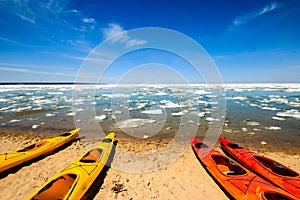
{"x":243,"y":19}
{"x":88,"y":20}
{"x":23,"y":70}
{"x":51,"y":16}
{"x":116,"y":33}
{"x":30,"y":20}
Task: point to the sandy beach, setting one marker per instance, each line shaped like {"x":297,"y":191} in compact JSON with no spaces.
{"x":183,"y":179}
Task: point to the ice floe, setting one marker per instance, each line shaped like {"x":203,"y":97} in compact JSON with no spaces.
{"x":270,"y":108}
{"x":35,"y":126}
{"x":201,"y":114}
{"x":101,"y":118}
{"x":181,"y":113}
{"x":169,"y":104}
{"x":273,"y":128}
{"x":55,"y":93}
{"x":278,"y":118}
{"x":237,"y":98}
{"x":289,"y":113}
{"x":50,"y":114}
{"x":153,"y":112}
{"x":14,"y":120}
{"x":250,"y":123}
{"x":211,"y":119}
{"x":71,"y":114}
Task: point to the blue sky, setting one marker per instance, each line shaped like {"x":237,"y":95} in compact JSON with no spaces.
{"x":250,"y":41}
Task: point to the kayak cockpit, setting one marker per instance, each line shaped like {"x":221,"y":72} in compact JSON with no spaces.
{"x":199,"y":145}
{"x":106,"y":140}
{"x":32,"y":147}
{"x":276,"y":167}
{"x":227,"y":166}
{"x":274,"y":196}
{"x":92,"y":156}
{"x":234,"y":146}
{"x":65,"y":134}
{"x":57,"y":188}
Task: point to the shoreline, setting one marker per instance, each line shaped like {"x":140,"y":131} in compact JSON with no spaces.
{"x":274,"y":143}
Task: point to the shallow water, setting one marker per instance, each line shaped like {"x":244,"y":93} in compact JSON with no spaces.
{"x":256,"y":110}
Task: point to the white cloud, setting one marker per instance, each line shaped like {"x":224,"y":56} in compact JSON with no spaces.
{"x":116,"y":33}
{"x":88,"y":20}
{"x":243,"y":19}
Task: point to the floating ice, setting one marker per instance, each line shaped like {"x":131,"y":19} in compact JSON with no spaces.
{"x":55,"y":93}
{"x":170,"y":104}
{"x":289,"y":113}
{"x":294,"y":104}
{"x":117,"y":112}
{"x":273,"y":128}
{"x":100,"y":118}
{"x":14,"y":120}
{"x":71,"y":114}
{"x":151,"y":121}
{"x":292,"y":90}
{"x":160,"y":94}
{"x":278,"y":118}
{"x":50,"y":114}
{"x":201,"y":114}
{"x":35,"y":126}
{"x":177,"y":114}
{"x":270,"y":108}
{"x":201,"y":92}
{"x":244,"y":129}
{"x":237,"y":98}
{"x":153,"y":112}
{"x":211,"y":119}
{"x":253,"y":123}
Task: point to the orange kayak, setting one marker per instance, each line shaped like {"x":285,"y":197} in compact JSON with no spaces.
{"x":236,"y":180}
{"x":273,"y":171}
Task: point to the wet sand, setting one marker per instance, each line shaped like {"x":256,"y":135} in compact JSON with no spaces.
{"x":183,"y":179}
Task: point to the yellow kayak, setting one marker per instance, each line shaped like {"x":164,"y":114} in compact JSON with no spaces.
{"x":12,"y":159}
{"x":74,"y":181}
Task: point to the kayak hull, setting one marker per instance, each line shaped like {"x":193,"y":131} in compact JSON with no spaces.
{"x":236,"y":180}
{"x":45,"y":147}
{"x":75,"y":180}
{"x":271,"y":170}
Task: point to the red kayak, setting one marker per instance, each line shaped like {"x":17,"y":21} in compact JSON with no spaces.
{"x":236,"y":180}
{"x":273,"y":171}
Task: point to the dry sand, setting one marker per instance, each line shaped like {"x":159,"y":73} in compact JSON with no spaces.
{"x":183,"y":179}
